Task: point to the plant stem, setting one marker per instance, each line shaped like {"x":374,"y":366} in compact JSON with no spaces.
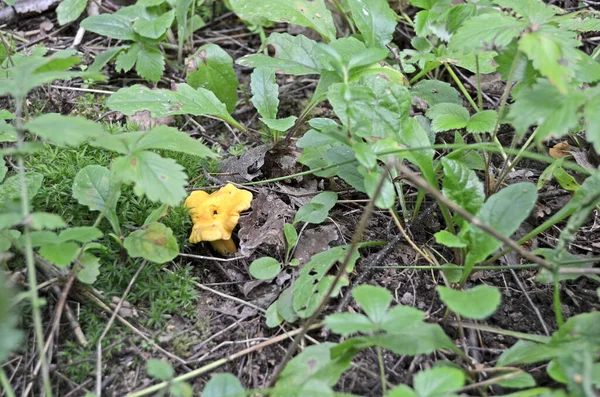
{"x":6,"y":384}
{"x":507,"y":90}
{"x":381,"y":370}
{"x":31,"y":272}
{"x":509,"y":165}
{"x":478,"y":74}
{"x":461,"y":87}
{"x":560,"y":320}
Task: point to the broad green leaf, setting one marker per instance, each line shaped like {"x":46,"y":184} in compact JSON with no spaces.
{"x":104,"y":57}
{"x":280,"y":124}
{"x":374,"y":301}
{"x":310,"y":13}
{"x":503,"y":211}
{"x":159,"y":369}
{"x":95,"y":187}
{"x":91,"y":268}
{"x":487,"y":64}
{"x":364,"y":154}
{"x":592,"y":119}
{"x":485,"y":31}
{"x":453,"y":272}
{"x":387,"y":195}
{"x":160,"y":179}
{"x":161,"y":102}
{"x":82,"y":234}
{"x":438,"y":381}
{"x":291,"y":236}
{"x":521,"y":381}
{"x":447,"y":116}
{"x":69,"y":10}
{"x":126,"y":59}
{"x":156,"y":215}
{"x":265,"y":268}
{"x":435,"y":91}
{"x":61,"y":254}
{"x":111,"y":25}
{"x":475,"y":303}
{"x":10,"y":190}
{"x":223,"y":385}
{"x":535,"y":10}
{"x":272,"y":316}
{"x":10,"y":219}
{"x":6,"y":239}
{"x":314,"y":363}
{"x":401,"y":391}
{"x":45,"y":220}
{"x":154,"y":28}
{"x":212,"y":68}
{"x":313,"y":282}
{"x":155,"y":243}
{"x":317,"y":210}
{"x":418,"y":339}
{"x":565,"y":180}
{"x":448,"y":239}
{"x":65,"y":130}
{"x":483,"y":121}
{"x":462,"y":186}
{"x":150,"y":63}
{"x":375,"y":20}
{"x":349,"y":323}
{"x":8,"y":133}
{"x":265,"y":92}
{"x":413,"y":135}
{"x":296,"y":55}
{"x":181,"y":389}
{"x":3,"y":169}
{"x":285,"y":305}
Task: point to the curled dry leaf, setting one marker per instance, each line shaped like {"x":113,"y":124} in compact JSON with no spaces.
{"x":560,"y":150}
{"x":146,"y":122}
{"x":264,"y":225}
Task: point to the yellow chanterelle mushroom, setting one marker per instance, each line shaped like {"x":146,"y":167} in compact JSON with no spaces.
{"x":215,"y":216}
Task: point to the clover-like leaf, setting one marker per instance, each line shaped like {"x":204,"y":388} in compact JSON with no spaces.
{"x":475,"y":303}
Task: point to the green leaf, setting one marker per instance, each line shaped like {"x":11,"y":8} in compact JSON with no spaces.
{"x":3,"y":169}
{"x":65,"y":130}
{"x":535,"y":10}
{"x":10,"y":219}
{"x":438,"y":381}
{"x":181,"y":389}
{"x":82,"y":234}
{"x":435,"y":91}
{"x":387,"y":195}
{"x":156,"y":27}
{"x":150,"y":63}
{"x":296,"y":55}
{"x":104,"y":57}
{"x":110,"y":25}
{"x":349,"y":323}
{"x":447,"y":116}
{"x":310,"y":13}
{"x":160,"y":179}
{"x":291,"y":236}
{"x":280,"y":124}
{"x":126,"y":59}
{"x":91,"y":268}
{"x":462,"y":186}
{"x":483,"y":121}
{"x":265,"y":92}
{"x":10,"y":190}
{"x":565,"y":180}
{"x":503,"y":211}
{"x":448,"y":239}
{"x":61,"y":254}
{"x":159,"y":369}
{"x":285,"y":305}
{"x":364,"y":154}
{"x":317,"y":210}
{"x":475,"y":303}
{"x":272,"y":316}
{"x":95,"y":187}
{"x":374,"y":301}
{"x":418,"y":339}
{"x":453,"y":272}
{"x":491,"y":30}
{"x":69,"y":10}
{"x":45,"y":220}
{"x":156,"y":215}
{"x":592,"y":119}
{"x":265,"y":268}
{"x":401,"y":391}
{"x":375,"y":20}
{"x":212,"y":68}
{"x":40,"y":238}
{"x":155,"y":243}
{"x":223,"y":385}
{"x":162,"y":103}
{"x":521,"y":381}
{"x":6,"y":240}
{"x":8,"y":133}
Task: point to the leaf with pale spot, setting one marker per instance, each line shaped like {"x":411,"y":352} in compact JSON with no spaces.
{"x":155,"y":243}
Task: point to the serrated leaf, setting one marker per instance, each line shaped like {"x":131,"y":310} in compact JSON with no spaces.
{"x":475,"y":303}
{"x":82,"y":234}
{"x":61,"y":254}
{"x":310,"y":13}
{"x":156,"y":27}
{"x":159,"y":369}
{"x":212,"y":68}
{"x":223,"y":385}
{"x":375,"y":20}
{"x":265,"y":92}
{"x":447,"y":116}
{"x":535,"y":10}
{"x":317,"y":210}
{"x":503,"y":211}
{"x":462,"y":186}
{"x":483,"y":121}
{"x":438,"y":381}
{"x":265,"y":268}
{"x":65,"y":130}
{"x":345,"y":324}
{"x":91,"y":268}
{"x":45,"y":220}
{"x":296,"y":55}
{"x":110,"y":25}
{"x":10,"y":190}
{"x":125,"y":60}
{"x":160,"y":179}
{"x":374,"y":301}
{"x":150,"y":63}
{"x":435,"y":91}
{"x":162,"y":103}
{"x":491,"y":30}
{"x":104,"y":57}
{"x":155,"y":243}
{"x":69,"y":10}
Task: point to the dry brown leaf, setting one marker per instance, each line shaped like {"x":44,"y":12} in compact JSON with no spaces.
{"x":560,"y":150}
{"x":146,"y":122}
{"x":314,"y":241}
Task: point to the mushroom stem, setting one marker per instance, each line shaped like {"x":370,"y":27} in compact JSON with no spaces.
{"x":224,"y":247}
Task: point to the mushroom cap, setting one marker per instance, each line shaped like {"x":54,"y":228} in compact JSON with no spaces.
{"x":215,"y":215}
